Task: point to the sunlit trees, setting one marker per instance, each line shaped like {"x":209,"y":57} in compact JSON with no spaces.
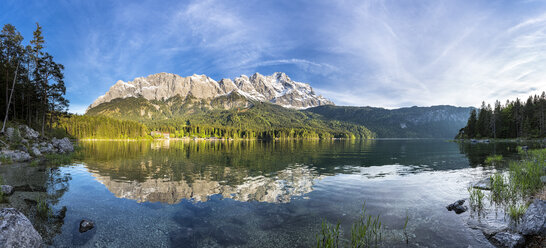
{"x":38,"y":88}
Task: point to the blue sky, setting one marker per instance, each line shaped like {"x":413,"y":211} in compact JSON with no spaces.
{"x":365,"y":53}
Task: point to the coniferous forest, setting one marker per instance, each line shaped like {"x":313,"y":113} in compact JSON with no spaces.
{"x":514,"y":119}
{"x":31,"y":83}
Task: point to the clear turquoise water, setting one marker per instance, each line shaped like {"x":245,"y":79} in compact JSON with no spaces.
{"x":270,"y":194}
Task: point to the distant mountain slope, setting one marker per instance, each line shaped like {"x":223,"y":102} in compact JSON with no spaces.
{"x":232,"y":110}
{"x":277,"y":88}
{"x":415,"y":122}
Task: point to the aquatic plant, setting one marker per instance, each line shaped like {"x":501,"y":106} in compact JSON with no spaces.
{"x":498,"y":188}
{"x":59,"y":159}
{"x":366,"y":232}
{"x":525,"y":175}
{"x":34,"y":162}
{"x":42,"y":209}
{"x":516,"y":212}
{"x":328,"y":236}
{"x":493,"y":159}
{"x":476,"y":198}
{"x":5,"y":160}
{"x":521,"y":182}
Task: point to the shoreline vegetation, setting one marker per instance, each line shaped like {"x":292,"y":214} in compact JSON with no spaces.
{"x":101,"y":127}
{"x":511,"y":120}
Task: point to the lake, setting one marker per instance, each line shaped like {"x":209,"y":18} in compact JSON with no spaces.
{"x":269,"y":194}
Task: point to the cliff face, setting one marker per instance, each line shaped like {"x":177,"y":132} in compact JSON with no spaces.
{"x":277,"y":88}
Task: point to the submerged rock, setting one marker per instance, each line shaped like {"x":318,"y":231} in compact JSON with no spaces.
{"x":484,"y":184}
{"x":86,"y":225}
{"x":6,"y":189}
{"x":31,"y":202}
{"x":62,"y":213}
{"x":63,"y":145}
{"x":457,"y":207}
{"x":508,"y":240}
{"x":533,"y":221}
{"x":16,"y":230}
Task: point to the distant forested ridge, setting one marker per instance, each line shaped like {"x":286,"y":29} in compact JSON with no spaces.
{"x":231,"y":117}
{"x":31,"y":83}
{"x":414,"y":122}
{"x":514,"y":119}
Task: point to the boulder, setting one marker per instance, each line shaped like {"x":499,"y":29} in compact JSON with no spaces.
{"x":508,"y":240}
{"x":533,"y":221}
{"x":15,"y":156}
{"x":86,"y":225}
{"x":484,"y":184}
{"x":6,"y":189}
{"x":16,"y":230}
{"x":35,"y":151}
{"x":47,"y":148}
{"x":63,"y":145}
{"x":543,"y":179}
{"x":457,"y":206}
{"x":28,"y":132}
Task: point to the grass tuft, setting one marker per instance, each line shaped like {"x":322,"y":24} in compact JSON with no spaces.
{"x":476,"y":198}
{"x":43,"y":210}
{"x":516,"y":212}
{"x":366,"y":232}
{"x":522,"y":181}
{"x":493,"y":159}
{"x":5,"y":160}
{"x":328,"y":236}
{"x":59,"y":159}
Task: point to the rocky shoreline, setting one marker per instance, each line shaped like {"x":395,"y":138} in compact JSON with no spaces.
{"x":530,"y":231}
{"x":26,"y":218}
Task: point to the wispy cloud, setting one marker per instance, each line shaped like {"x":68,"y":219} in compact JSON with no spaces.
{"x":374,"y":52}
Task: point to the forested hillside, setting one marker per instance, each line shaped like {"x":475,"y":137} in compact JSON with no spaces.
{"x":229,"y":117}
{"x":413,"y":122}
{"x":31,"y":83}
{"x":514,"y":119}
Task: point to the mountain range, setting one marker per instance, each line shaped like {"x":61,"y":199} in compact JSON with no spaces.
{"x":263,"y":103}
{"x":277,"y":88}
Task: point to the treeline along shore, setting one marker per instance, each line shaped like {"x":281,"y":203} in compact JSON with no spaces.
{"x":514,"y":119}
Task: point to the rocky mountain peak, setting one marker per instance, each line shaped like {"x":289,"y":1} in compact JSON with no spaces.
{"x":277,"y":88}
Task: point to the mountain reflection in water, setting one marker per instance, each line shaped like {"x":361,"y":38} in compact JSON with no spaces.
{"x":169,"y":171}
{"x":296,"y":180}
